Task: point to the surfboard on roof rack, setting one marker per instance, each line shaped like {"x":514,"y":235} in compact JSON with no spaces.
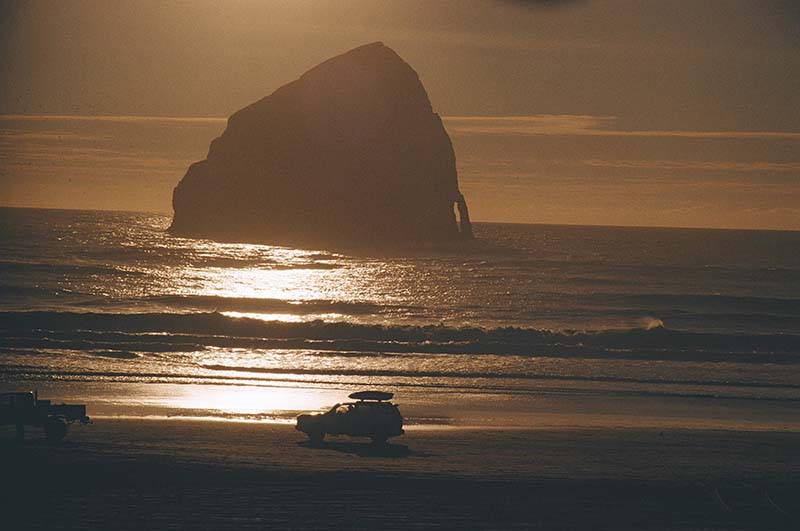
{"x":371,"y":395}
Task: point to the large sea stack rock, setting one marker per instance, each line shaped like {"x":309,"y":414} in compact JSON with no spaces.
{"x":350,"y":152}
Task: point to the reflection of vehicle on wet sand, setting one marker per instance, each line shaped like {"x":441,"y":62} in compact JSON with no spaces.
{"x":371,"y":416}
{"x":25,"y":409}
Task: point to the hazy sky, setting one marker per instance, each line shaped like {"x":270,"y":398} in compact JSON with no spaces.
{"x":679,"y":113}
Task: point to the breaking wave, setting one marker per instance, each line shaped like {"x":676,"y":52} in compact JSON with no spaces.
{"x":182,"y":332}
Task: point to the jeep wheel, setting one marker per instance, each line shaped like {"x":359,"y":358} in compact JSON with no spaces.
{"x":379,"y":439}
{"x":55,"y":428}
{"x":316,"y":437}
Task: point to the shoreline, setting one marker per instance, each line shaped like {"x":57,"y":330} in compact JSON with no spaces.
{"x":451,"y":409}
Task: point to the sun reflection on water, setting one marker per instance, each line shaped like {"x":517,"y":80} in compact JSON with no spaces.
{"x":235,"y":272}
{"x":291,"y":284}
{"x":239,"y":271}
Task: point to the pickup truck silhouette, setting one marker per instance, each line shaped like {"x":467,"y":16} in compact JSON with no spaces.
{"x":26,"y":409}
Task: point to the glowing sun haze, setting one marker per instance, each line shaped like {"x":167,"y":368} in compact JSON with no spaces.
{"x":615,"y":112}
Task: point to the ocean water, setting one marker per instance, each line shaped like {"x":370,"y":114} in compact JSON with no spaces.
{"x":575,"y":324}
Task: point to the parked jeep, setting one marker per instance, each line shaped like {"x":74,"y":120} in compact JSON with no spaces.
{"x":371,"y":416}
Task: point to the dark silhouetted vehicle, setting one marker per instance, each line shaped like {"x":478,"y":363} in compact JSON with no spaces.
{"x":25,"y":409}
{"x":371,"y":416}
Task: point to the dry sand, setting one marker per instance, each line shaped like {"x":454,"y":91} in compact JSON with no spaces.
{"x":177,"y":474}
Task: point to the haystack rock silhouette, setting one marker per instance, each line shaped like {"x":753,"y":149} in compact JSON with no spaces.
{"x":350,"y":152}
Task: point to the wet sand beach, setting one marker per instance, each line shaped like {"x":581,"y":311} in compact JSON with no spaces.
{"x":189,"y":474}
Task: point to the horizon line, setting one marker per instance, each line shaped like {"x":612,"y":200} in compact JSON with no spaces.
{"x":494,"y":222}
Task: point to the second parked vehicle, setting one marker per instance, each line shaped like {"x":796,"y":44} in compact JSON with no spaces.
{"x":25,"y":409}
